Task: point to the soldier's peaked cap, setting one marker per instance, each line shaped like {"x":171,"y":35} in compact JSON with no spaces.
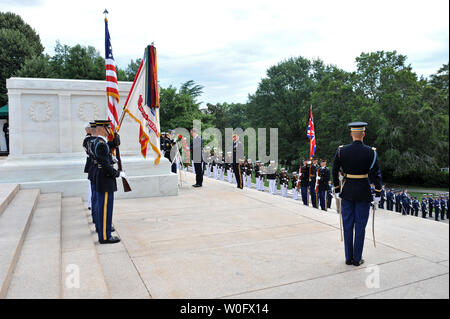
{"x":106,"y":123}
{"x":92,"y":124}
{"x":357,"y":126}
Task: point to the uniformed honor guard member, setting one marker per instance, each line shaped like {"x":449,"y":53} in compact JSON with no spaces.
{"x":294,"y":182}
{"x":430,"y":205}
{"x":443,"y":207}
{"x":284,"y":182}
{"x":106,"y":184}
{"x":415,"y":205}
{"x":359,"y":164}
{"x":89,"y":160}
{"x":207,"y":160}
{"x":259,"y":176}
{"x":168,"y":145}
{"x":312,"y":183}
{"x":329,"y":194}
{"x":304,"y":171}
{"x":249,"y":173}
{"x":383,"y":198}
{"x":229,"y":166}
{"x":424,"y":205}
{"x":272,"y":177}
{"x":437,"y":207}
{"x":238,"y":160}
{"x":324,"y":177}
{"x":389,"y":199}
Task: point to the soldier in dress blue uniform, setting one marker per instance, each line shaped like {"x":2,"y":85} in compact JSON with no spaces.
{"x":423,"y":206}
{"x":443,"y":207}
{"x":383,"y":197}
{"x":389,"y":199}
{"x":312,"y":183}
{"x":415,"y":205}
{"x":324,"y":178}
{"x":105,"y":181}
{"x":89,"y":160}
{"x":304,"y":183}
{"x":329,"y":194}
{"x":359,"y":165}
{"x":437,"y":207}
{"x":430,"y":205}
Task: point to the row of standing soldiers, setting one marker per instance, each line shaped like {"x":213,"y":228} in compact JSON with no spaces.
{"x":312,"y":181}
{"x":405,"y":204}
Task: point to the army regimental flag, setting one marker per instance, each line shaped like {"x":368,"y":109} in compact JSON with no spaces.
{"x":142,"y":104}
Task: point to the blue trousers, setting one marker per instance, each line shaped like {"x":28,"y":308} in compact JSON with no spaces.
{"x":436,"y":213}
{"x":314,"y":196}
{"x":354,"y":219}
{"x":94,"y":205}
{"x":304,"y":190}
{"x":329,"y":200}
{"x":174,"y":167}
{"x":323,"y":200}
{"x":105,"y":203}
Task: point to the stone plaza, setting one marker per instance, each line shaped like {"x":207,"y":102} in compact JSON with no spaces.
{"x":212,"y":242}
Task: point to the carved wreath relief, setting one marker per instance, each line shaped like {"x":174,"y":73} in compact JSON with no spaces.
{"x":40,"y":112}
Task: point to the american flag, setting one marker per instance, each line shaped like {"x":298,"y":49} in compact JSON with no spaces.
{"x":112,"y":88}
{"x":311,"y":135}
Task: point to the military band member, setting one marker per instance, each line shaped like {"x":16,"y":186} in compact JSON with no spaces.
{"x":359,"y":163}
{"x":249,"y":172}
{"x":424,"y":205}
{"x":294,"y":182}
{"x":228,"y":166}
{"x":272,"y":177}
{"x":323,"y":176}
{"x":304,"y":176}
{"x":105,"y":184}
{"x":284,"y":182}
{"x":238,"y":160}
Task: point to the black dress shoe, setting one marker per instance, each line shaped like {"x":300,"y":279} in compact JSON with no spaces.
{"x":349,"y":262}
{"x":196,"y":185}
{"x":358,"y":263}
{"x":110,"y":240}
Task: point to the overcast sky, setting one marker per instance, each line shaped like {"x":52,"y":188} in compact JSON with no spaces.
{"x":227,"y":46}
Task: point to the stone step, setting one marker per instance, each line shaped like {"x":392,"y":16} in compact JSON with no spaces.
{"x":14,"y":224}
{"x":81,"y":272}
{"x":38,"y":270}
{"x":7,"y":193}
{"x":121,"y":275}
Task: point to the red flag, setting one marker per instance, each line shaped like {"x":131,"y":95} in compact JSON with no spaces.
{"x":311,"y":135}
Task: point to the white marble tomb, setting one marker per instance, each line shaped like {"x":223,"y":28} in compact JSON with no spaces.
{"x":47,"y":118}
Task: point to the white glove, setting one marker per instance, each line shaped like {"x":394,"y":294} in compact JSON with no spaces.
{"x":114,"y":160}
{"x":122,"y":174}
{"x":337,"y":195}
{"x":376,"y":199}
{"x":318,"y":178}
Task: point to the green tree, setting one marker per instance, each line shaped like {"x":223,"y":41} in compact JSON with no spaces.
{"x":19,"y":42}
